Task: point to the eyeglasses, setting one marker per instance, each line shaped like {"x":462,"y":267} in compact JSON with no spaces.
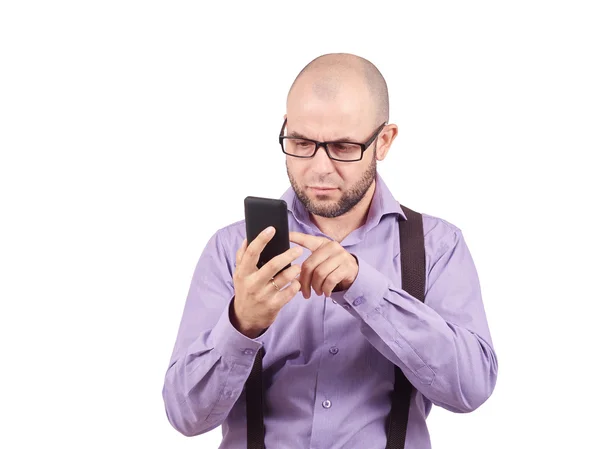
{"x":337,"y":150}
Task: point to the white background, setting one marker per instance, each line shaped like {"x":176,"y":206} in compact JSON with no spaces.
{"x":131,"y":131}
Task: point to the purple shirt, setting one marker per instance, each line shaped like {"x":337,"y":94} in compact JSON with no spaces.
{"x":327,"y":371}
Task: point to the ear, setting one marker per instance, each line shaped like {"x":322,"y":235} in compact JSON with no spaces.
{"x":385,"y":139}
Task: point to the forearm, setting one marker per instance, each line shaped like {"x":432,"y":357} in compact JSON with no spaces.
{"x":205,"y":380}
{"x":451,"y":364}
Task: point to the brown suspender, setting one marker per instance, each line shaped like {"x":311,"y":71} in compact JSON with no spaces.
{"x":254,"y":404}
{"x":412,"y":261}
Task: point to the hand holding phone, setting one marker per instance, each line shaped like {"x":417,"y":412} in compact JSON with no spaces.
{"x":263,"y":267}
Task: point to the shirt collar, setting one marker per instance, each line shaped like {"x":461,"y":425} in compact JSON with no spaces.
{"x":383,"y":203}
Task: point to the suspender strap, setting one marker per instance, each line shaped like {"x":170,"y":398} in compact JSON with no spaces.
{"x":255,"y":404}
{"x":412,"y":260}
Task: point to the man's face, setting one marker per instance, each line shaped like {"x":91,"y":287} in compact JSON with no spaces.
{"x":349,"y":116}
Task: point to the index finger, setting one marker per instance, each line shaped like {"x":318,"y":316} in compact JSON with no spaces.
{"x":311,"y":242}
{"x":252,"y":253}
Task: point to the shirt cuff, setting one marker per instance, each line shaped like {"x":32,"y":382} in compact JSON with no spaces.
{"x":230,"y":342}
{"x":366,"y":294}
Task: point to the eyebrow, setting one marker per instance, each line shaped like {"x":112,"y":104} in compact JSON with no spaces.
{"x":301,"y":136}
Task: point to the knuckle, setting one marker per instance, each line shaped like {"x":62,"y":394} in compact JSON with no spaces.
{"x":318,"y":273}
{"x":335,"y":280}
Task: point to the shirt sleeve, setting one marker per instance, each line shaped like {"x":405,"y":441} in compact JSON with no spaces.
{"x":443,"y":345}
{"x":211,"y":360}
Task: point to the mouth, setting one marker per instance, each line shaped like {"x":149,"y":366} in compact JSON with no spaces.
{"x":322,"y":189}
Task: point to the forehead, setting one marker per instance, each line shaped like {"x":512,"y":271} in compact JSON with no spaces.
{"x":322,"y":130}
{"x":346,"y":115}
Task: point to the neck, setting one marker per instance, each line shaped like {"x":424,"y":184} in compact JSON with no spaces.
{"x":340,"y":227}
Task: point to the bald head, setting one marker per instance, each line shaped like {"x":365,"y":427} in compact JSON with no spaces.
{"x":337,"y":73}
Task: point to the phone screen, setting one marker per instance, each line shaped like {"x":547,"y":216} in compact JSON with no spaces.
{"x":260,"y":213}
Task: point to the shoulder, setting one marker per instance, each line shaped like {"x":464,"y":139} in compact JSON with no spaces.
{"x":438,"y":226}
{"x":440,"y":235}
{"x":435,"y":227}
{"x":229,"y":238}
{"x":222,"y":246}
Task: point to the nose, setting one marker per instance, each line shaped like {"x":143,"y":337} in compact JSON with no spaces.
{"x":321,"y":162}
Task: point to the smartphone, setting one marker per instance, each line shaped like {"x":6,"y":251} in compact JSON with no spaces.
{"x":261,"y":213}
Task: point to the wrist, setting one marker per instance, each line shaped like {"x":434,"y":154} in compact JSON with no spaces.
{"x":240,"y":326}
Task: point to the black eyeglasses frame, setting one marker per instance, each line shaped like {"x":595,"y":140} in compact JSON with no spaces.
{"x":363,"y":146}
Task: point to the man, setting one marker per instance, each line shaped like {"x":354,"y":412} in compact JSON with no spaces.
{"x":329,"y":358}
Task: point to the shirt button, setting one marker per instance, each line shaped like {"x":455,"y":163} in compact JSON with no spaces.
{"x":248,"y":351}
{"x":346,"y":306}
{"x":358,"y":301}
{"x":333,"y":350}
{"x":326,"y":403}
{"x":334,"y":301}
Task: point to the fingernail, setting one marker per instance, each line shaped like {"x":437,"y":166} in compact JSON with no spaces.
{"x":270,"y":230}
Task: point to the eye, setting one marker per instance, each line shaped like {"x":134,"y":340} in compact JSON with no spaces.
{"x":341,"y":147}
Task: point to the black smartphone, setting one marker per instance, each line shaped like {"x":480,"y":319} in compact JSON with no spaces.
{"x":261,"y":213}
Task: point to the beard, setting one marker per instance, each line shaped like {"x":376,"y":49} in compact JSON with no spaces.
{"x":349,"y":199}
